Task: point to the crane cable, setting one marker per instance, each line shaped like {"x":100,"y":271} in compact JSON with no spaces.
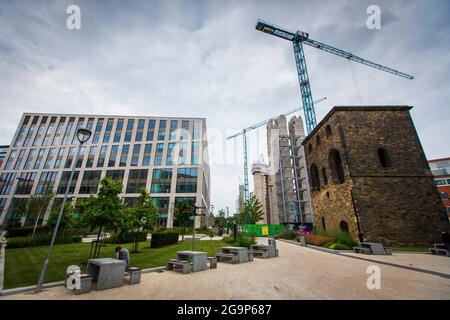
{"x":354,"y":81}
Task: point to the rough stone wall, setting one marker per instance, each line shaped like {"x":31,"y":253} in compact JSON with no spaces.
{"x":398,"y":204}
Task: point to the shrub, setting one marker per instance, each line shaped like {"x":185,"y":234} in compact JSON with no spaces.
{"x":160,"y":239}
{"x":228,"y":239}
{"x":318,"y":240}
{"x":336,"y":246}
{"x":340,"y":237}
{"x":287,"y":234}
{"x":243,"y":241}
{"x":40,"y":240}
{"x":126,"y":237}
{"x":25,"y":231}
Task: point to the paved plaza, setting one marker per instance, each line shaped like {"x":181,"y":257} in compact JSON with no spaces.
{"x":298,"y":273}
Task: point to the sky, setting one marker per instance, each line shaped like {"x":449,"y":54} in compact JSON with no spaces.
{"x":199,"y":58}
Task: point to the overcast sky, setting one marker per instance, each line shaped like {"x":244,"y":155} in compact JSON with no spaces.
{"x":205,"y":59}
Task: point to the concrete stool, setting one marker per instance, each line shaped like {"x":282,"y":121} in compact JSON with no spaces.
{"x":85,"y":284}
{"x":212,"y":262}
{"x":135,"y":275}
{"x":250,"y":256}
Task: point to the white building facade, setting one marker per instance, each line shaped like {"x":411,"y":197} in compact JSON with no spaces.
{"x":166,"y":155}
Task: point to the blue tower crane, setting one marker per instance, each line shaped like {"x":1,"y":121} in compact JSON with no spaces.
{"x":298,"y":39}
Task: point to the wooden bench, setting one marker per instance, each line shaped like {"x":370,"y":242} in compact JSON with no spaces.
{"x":183,"y":266}
{"x":439,"y":251}
{"x":135,"y":274}
{"x":362,"y":250}
{"x":212,"y":262}
{"x":227,"y":257}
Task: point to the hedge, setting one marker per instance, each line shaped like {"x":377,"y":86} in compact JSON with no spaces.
{"x":160,"y":239}
{"x":25,"y":231}
{"x":126,"y":237}
{"x":40,"y":240}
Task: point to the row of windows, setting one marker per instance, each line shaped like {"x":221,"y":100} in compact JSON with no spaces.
{"x":442,"y":182}
{"x":336,"y":168}
{"x":134,"y":155}
{"x":328,"y":133}
{"x":137,"y":179}
{"x":64,"y":132}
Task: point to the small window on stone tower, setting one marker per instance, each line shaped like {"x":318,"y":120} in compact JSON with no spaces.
{"x":328,"y":130}
{"x":310,"y":148}
{"x":315,"y":182}
{"x":337,"y":171}
{"x":383,"y":155}
{"x":324,"y":176}
{"x":324,"y":226}
{"x":343,"y":226}
{"x":318,"y":140}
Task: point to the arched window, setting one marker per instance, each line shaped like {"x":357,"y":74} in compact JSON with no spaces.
{"x":337,"y":171}
{"x":324,"y":226}
{"x":310,"y":148}
{"x":318,"y":140}
{"x":384,"y":158}
{"x":343,"y":226}
{"x":324,"y":177}
{"x":315,"y":182}
{"x":328,"y":130}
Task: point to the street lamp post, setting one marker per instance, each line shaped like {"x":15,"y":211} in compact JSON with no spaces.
{"x":193,"y":231}
{"x":83,"y":136}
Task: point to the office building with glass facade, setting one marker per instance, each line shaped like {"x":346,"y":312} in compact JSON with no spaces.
{"x":167,"y":156}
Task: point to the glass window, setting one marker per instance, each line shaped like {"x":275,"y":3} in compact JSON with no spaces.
{"x":20,"y":135}
{"x":192,"y":201}
{"x":129,"y":131}
{"x":30,"y":159}
{"x":158,"y":155}
{"x":19,"y":159}
{"x":162,"y":130}
{"x":173,"y":130}
{"x":90,"y":124}
{"x":185,"y":130}
{"x":147,"y":155}
{"x":89,"y":184}
{"x":68,"y":132}
{"x":161,"y":180}
{"x":79,"y":126}
{"x":91,"y":157}
{"x":59,"y":158}
{"x":195,"y":153}
{"x":59,"y":130}
{"x":113,"y":156}
{"x":108,"y":130}
{"x":49,"y":133}
{"x":70,"y":158}
{"x":39,"y":159}
{"x":65,"y":176}
{"x":440,"y":182}
{"x":140,"y":130}
{"x":196,"y":130}
{"x":119,"y":128}
{"x":98,"y":131}
{"x":48,"y":161}
{"x":46,"y":182}
{"x":170,"y":154}
{"x":6,"y":182}
{"x":124,"y":155}
{"x":137,"y":179}
{"x":40,"y":133}
{"x":102,"y":156}
{"x":182,"y":153}
{"x":151,"y":129}
{"x":25,"y":183}
{"x":81,"y":157}
{"x":187,"y":180}
{"x":116,"y":175}
{"x":135,"y":155}
{"x":162,"y":205}
{"x":11,"y":159}
{"x":29,"y":134}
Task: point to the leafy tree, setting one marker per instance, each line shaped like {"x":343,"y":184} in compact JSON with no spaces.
{"x":141,"y":217}
{"x":105,"y":210}
{"x":182,"y":212}
{"x":221,"y":220}
{"x":66,"y":218}
{"x":251,"y":211}
{"x":36,"y":204}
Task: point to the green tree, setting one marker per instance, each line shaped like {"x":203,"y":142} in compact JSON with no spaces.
{"x":36,"y":204}
{"x":66,"y":218}
{"x":140,"y":218}
{"x":182,"y":212}
{"x":105,"y":210}
{"x":221,"y":220}
{"x":251,"y":211}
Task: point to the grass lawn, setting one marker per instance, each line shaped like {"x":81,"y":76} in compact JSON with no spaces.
{"x":409,"y":249}
{"x":22,"y":266}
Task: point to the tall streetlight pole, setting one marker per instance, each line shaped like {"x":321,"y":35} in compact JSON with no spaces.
{"x":83,"y":136}
{"x":193,"y":231}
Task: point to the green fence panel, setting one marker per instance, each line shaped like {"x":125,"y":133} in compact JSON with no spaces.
{"x":262,"y":230}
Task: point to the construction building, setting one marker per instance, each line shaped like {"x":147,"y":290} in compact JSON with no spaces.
{"x":167,"y":156}
{"x":282,"y":185}
{"x":369,"y":176}
{"x":440,"y":168}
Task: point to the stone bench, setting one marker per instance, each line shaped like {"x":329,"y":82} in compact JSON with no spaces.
{"x":438,"y":251}
{"x":362,"y":250}
{"x":250,"y":255}
{"x":227,"y":257}
{"x":257,"y":253}
{"x":85,"y":284}
{"x":180,"y":266}
{"x":212,"y":262}
{"x":135,"y":274}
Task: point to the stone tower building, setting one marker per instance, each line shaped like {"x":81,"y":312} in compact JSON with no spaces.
{"x":369,"y":175}
{"x":260,"y":174}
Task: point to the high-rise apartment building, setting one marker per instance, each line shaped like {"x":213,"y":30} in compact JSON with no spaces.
{"x":167,"y":156}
